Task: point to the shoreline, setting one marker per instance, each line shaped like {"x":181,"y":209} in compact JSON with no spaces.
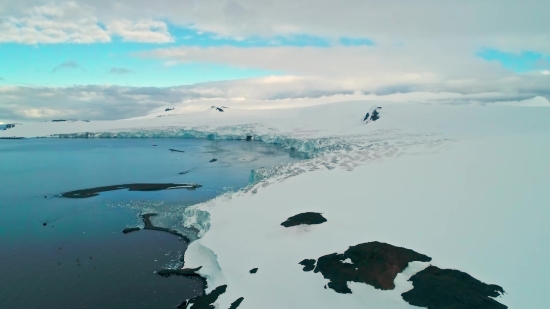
{"x":423,"y":168}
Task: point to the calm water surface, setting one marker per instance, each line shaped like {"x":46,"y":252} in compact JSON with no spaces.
{"x":80,"y":259}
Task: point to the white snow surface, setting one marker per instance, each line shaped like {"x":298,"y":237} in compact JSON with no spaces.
{"x":465,"y":185}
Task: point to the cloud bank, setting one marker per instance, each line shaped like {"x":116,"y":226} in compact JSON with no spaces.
{"x":117,"y":102}
{"x":407,"y":50}
{"x":73,"y":22}
{"x":503,"y":24}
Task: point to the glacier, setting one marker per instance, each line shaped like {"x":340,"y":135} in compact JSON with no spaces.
{"x":463,"y":184}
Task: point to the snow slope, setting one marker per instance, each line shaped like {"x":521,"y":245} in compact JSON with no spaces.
{"x":465,"y":185}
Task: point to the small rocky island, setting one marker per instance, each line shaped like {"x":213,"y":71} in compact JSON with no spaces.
{"x":374,"y":263}
{"x":307,"y":218}
{"x":436,"y":288}
{"x":207,"y":301}
{"x":377,"y":264}
{"x":86,"y":193}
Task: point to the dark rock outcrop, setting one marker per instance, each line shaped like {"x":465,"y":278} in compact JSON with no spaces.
{"x":254,"y":270}
{"x":375,"y":115}
{"x":186,"y":272}
{"x":308,"y":218}
{"x":205,"y":301}
{"x":436,"y":288}
{"x":374,"y":263}
{"x":213,"y":160}
{"x":149,"y":226}
{"x":237,"y":303}
{"x":309,"y":264}
{"x":86,"y":193}
{"x":130,"y":230}
{"x":169,"y":109}
{"x":175,"y":150}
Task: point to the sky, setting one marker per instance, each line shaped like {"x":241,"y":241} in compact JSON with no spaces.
{"x":118,"y":59}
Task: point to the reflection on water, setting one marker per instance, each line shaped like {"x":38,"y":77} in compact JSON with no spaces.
{"x":80,"y":258}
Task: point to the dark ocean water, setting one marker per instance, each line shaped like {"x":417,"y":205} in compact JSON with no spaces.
{"x":80,"y":259}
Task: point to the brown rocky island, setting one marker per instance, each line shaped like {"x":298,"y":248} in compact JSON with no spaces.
{"x":377,"y":264}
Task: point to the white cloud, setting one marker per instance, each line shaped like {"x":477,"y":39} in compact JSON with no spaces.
{"x":39,"y":113}
{"x":70,"y":64}
{"x":424,"y":50}
{"x":374,"y":66}
{"x":505,"y":24}
{"x":145,"y":31}
{"x":66,"y":23}
{"x":116,"y":102}
{"x":70,"y":22}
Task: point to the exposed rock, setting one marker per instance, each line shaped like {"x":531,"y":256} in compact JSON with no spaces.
{"x":86,"y":193}
{"x":254,"y":270}
{"x":217,"y":108}
{"x":308,"y":218}
{"x":206,"y":301}
{"x":9,"y":126}
{"x":186,"y":272}
{"x":372,"y":115}
{"x":237,"y":303}
{"x":130,"y":230}
{"x":309,"y":264}
{"x":373,"y":263}
{"x":213,"y":160}
{"x":375,"y":115}
{"x":175,"y":150}
{"x":436,"y":288}
{"x":149,"y":226}
{"x":169,"y":109}
{"x":249,"y":138}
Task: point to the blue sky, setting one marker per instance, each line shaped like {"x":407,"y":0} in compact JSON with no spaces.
{"x":43,"y":64}
{"x":35,"y":65}
{"x":23,"y":64}
{"x":95,"y":63}
{"x":524,"y":62}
